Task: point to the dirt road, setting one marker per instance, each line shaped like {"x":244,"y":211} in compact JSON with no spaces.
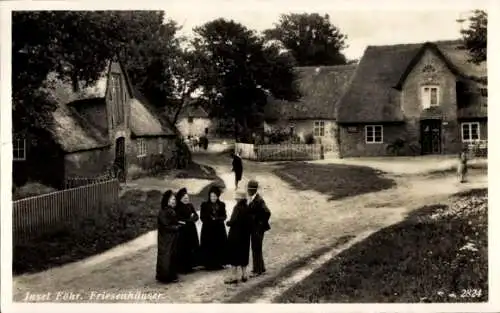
{"x":302,"y":222}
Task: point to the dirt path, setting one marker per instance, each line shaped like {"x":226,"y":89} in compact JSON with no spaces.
{"x":302,"y":222}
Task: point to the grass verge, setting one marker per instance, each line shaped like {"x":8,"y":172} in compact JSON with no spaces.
{"x":438,"y":254}
{"x":336,"y":180}
{"x":136,"y":214}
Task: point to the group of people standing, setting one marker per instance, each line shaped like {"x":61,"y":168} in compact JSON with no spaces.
{"x":180,"y":251}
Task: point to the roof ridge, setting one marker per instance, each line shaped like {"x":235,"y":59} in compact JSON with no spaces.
{"x":398,"y":45}
{"x":339,"y":66}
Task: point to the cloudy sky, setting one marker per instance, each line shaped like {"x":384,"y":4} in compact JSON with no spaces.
{"x":365,"y":22}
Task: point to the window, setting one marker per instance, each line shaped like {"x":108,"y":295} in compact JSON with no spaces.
{"x":117,"y":98}
{"x":430,"y":96}
{"x":292,"y":130}
{"x":141,"y":147}
{"x":374,"y":134}
{"x":319,"y":128}
{"x":19,"y":149}
{"x":190,"y":120}
{"x":470,"y":131}
{"x":484,"y":92}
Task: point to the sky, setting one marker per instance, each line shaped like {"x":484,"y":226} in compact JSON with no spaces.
{"x":378,"y":22}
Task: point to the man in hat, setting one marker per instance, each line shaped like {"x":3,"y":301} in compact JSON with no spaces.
{"x":260,"y":215}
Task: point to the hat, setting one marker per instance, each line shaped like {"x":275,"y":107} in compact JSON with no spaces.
{"x":253,"y":184}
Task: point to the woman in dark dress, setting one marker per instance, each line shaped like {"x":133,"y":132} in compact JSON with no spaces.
{"x":168,"y":233}
{"x":237,"y":169}
{"x":213,"y":231}
{"x":239,"y":239}
{"x":188,"y":247}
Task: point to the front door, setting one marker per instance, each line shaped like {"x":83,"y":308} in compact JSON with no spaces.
{"x":430,"y":135}
{"x":120,"y":159}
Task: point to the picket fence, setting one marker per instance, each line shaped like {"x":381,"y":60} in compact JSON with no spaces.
{"x":39,"y":215}
{"x":280,"y":152}
{"x":478,"y":149}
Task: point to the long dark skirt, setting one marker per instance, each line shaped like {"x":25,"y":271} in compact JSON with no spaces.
{"x":166,"y":263}
{"x":238,"y":246}
{"x":238,"y":175}
{"x":213,"y":244}
{"x":188,"y":247}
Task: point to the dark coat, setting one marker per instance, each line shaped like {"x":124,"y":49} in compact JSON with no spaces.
{"x":260,"y":214}
{"x":188,"y":247}
{"x":239,"y":235}
{"x":237,"y":167}
{"x":168,"y":234}
{"x":213,"y":234}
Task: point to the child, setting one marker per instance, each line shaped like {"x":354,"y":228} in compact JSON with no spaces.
{"x":462,"y":165}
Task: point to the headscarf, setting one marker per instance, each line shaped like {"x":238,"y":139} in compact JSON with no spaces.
{"x":180,"y":194}
{"x":166,"y":196}
{"x":214,"y":189}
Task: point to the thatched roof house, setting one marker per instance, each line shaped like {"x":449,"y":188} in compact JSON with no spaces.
{"x":97,"y":127}
{"x":374,"y":93}
{"x":321,"y":88}
{"x":427,"y":95}
{"x":80,"y":121}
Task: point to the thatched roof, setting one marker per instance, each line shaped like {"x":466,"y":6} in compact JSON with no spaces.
{"x":194,"y":111}
{"x":74,"y":133}
{"x":71,"y":129}
{"x":80,"y":120}
{"x":321,"y":88}
{"x":146,"y":121}
{"x":373,"y":96}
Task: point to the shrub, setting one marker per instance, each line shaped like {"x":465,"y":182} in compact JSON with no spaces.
{"x":31,"y":189}
{"x":396,"y":146}
{"x":309,"y":139}
{"x":281,"y":135}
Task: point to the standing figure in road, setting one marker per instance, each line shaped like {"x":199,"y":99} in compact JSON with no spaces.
{"x":238,"y":248}
{"x":213,"y":231}
{"x":168,"y":233}
{"x":237,"y":168}
{"x":260,"y":215}
{"x":462,"y":166}
{"x":188,"y":247}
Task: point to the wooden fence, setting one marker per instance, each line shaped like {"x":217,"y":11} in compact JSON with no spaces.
{"x":280,"y":152}
{"x":35,"y":216}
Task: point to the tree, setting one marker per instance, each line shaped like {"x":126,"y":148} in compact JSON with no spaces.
{"x":76,"y":45}
{"x":311,"y":38}
{"x":475,"y":36}
{"x":238,"y":72}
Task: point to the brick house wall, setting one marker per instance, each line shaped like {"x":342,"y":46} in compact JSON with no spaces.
{"x":354,"y":141}
{"x":411,"y":101}
{"x":157,"y":148}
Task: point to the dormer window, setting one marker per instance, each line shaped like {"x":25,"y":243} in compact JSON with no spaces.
{"x":430,"y":96}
